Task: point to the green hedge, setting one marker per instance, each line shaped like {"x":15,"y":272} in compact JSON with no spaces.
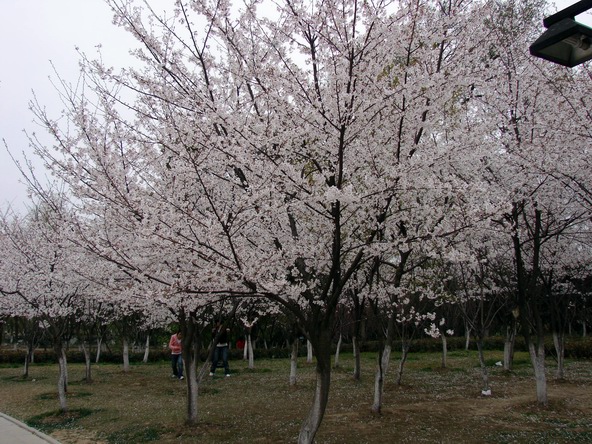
{"x":75,"y":356}
{"x":578,"y":348}
{"x":575,"y":348}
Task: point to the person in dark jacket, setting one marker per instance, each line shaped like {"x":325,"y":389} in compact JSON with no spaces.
{"x":220,"y":349}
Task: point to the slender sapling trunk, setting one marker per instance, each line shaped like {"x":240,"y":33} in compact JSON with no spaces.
{"x":559,"y":342}
{"x":87,"y":366}
{"x":146,"y":349}
{"x":486,"y":390}
{"x":251,"y":354}
{"x":62,"y":376}
{"x":337,"y":351}
{"x":126,"y":366}
{"x":444,"y":349}
{"x":509,"y":347}
{"x":357,"y":363}
{"x":99,"y":346}
{"x":404,"y":354}
{"x":294,"y":362}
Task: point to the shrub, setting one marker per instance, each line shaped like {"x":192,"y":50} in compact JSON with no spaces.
{"x":575,"y":348}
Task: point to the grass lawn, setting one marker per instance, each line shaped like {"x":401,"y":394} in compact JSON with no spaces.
{"x":433,"y":405}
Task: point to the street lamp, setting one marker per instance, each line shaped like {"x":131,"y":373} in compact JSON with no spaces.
{"x":565,"y":41}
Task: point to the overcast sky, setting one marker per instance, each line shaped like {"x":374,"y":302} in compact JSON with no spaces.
{"x":35,"y":32}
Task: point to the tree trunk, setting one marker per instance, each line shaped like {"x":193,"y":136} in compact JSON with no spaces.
{"x":323,"y":376}
{"x":509,"y":346}
{"x":378,"y":385}
{"x":384,"y":359}
{"x":294,"y":361}
{"x":357,"y":360}
{"x":251,"y":354}
{"x":537,"y":357}
{"x":126,"y":366}
{"x":444,"y":349}
{"x":190,"y":363}
{"x":146,"y":349}
{"x":190,"y":352}
{"x":559,"y":342}
{"x":404,"y":353}
{"x":486,"y":391}
{"x":28,"y":361}
{"x":467,"y":338}
{"x":99,"y":346}
{"x":62,"y":377}
{"x":337,"y":351}
{"x":309,"y":352}
{"x":381,"y":371}
{"x":26,"y":367}
{"x":66,"y":376}
{"x":87,"y":367}
{"x":529,"y":298}
{"x":584,"y":331}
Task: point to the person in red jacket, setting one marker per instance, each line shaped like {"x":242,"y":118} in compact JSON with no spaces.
{"x":176,"y":359}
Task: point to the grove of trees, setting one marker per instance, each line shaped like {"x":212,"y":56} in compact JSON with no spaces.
{"x":324,"y":164}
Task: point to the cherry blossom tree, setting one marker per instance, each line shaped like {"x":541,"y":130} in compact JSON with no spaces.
{"x":91,"y":316}
{"x":248,"y":156}
{"x":230,"y":139}
{"x":38,"y":278}
{"x":529,"y":153}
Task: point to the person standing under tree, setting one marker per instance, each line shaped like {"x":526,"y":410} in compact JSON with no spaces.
{"x":176,"y":358}
{"x":220,"y":349}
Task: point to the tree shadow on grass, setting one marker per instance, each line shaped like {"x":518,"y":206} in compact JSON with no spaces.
{"x":135,"y":435}
{"x":21,"y":378}
{"x":56,"y":419}
{"x":47,"y":396}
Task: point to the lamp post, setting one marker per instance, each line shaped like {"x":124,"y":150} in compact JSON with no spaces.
{"x":565,"y":41}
